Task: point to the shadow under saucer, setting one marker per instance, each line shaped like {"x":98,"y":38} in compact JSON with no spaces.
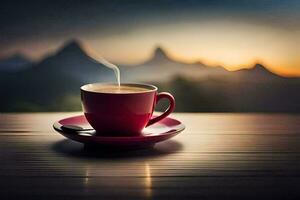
{"x":75,"y":149}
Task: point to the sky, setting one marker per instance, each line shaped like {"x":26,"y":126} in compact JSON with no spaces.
{"x":232,"y":33}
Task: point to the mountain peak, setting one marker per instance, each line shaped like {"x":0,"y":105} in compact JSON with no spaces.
{"x":73,"y":43}
{"x":72,"y":46}
{"x":159,"y":53}
{"x":159,"y":56}
{"x":259,"y":66}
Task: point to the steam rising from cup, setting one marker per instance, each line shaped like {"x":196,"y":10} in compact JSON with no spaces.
{"x":113,"y":67}
{"x":100,"y":60}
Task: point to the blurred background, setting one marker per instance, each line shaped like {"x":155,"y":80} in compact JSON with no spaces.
{"x":214,"y":56}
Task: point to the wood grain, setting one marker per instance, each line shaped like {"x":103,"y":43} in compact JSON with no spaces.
{"x":218,"y":156}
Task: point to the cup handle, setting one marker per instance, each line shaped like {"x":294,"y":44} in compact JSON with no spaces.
{"x":170,"y":109}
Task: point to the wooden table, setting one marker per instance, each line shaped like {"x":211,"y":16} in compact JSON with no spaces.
{"x":218,"y":156}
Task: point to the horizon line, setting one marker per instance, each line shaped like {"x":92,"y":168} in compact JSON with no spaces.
{"x":87,"y":48}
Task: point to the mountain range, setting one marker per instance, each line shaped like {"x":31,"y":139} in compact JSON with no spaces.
{"x":167,"y":68}
{"x":14,"y":63}
{"x":52,"y":84}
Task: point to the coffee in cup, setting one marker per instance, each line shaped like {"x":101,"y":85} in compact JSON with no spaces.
{"x":122,"y":89}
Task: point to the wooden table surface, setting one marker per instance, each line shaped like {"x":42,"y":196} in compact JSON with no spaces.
{"x":218,"y":156}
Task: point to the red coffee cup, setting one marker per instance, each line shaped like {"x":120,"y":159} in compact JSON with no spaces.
{"x":122,"y":113}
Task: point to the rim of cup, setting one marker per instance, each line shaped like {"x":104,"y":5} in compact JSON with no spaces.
{"x":149,"y":87}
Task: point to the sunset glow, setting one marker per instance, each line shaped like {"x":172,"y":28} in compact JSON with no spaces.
{"x":231,"y":45}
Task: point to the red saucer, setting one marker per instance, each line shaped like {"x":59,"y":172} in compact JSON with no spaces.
{"x":157,"y":132}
